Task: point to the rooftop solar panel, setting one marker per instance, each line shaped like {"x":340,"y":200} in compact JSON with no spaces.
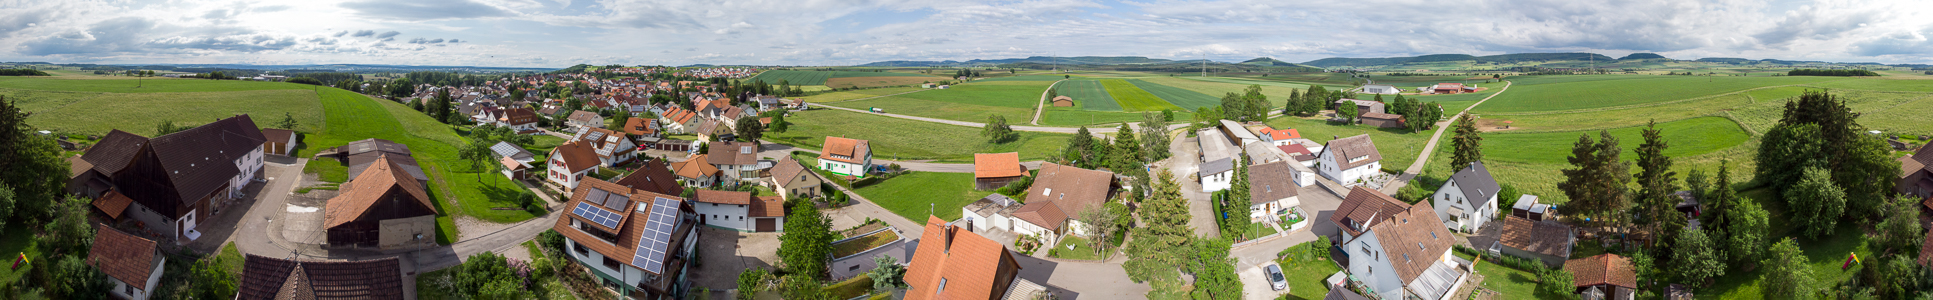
{"x":653,"y":243}
{"x":617,"y":201}
{"x":596,"y":196}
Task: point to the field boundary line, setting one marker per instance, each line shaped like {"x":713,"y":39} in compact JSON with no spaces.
{"x":876,"y":97}
{"x":1633,"y":106}
{"x":1042,"y":106}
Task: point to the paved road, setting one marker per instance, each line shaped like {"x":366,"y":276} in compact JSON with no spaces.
{"x":1042,"y":106}
{"x":775,"y":149}
{"x":1424,"y":158}
{"x":1183,"y":163}
{"x":1249,"y":259}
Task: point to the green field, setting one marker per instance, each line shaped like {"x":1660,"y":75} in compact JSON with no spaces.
{"x":894,"y":138}
{"x":1133,"y":98}
{"x":139,"y":113}
{"x":818,"y":77}
{"x":1025,"y":78}
{"x":1088,"y":94}
{"x":148,"y":85}
{"x":1686,"y":138}
{"x":1180,"y":97}
{"x":914,"y":194}
{"x":1399,"y":147}
{"x":965,"y":102}
{"x":856,"y":94}
{"x":1076,"y":116}
{"x":1527,"y":96}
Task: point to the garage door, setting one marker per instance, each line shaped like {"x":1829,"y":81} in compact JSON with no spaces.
{"x":766,"y":225}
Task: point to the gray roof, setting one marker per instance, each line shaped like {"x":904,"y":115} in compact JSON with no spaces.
{"x":1476,"y":183}
{"x":1214,"y":145}
{"x":1269,"y":182}
{"x":1345,"y":148}
{"x":1217,"y":166}
{"x":506,"y":149}
{"x":1343,"y":294}
{"x":1525,"y":202}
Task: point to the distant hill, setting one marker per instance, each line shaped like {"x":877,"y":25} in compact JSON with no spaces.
{"x":1642,"y":55}
{"x":1078,"y":60}
{"x":1516,"y":57}
{"x":1724,"y":60}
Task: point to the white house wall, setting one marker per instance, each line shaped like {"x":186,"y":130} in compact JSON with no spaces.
{"x":1373,"y":267}
{"x":725,"y":215}
{"x":1448,"y":196}
{"x":1216,"y":182}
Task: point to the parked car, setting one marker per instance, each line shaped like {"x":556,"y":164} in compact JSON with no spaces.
{"x":1276,"y":280}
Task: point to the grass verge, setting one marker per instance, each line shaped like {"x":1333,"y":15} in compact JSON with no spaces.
{"x":943,"y":193}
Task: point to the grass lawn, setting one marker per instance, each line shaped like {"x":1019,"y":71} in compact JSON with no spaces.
{"x":1073,"y":247}
{"x":861,"y":244}
{"x":1686,"y":138}
{"x":943,"y":193}
{"x":19,"y":239}
{"x":138,"y":113}
{"x":1180,"y":97}
{"x":1076,"y":116}
{"x":1087,"y":94}
{"x":329,"y":170}
{"x":1133,"y":98}
{"x":542,"y":144}
{"x":970,"y":112}
{"x":233,"y":259}
{"x":144,"y":85}
{"x":35,"y":101}
{"x":893,"y":138}
{"x":1634,"y":116}
{"x":1398,"y":146}
{"x":1613,"y":91}
{"x":1041,"y":77}
{"x":1512,"y":283}
{"x":1305,"y":275}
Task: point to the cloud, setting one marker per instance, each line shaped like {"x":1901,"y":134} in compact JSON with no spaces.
{"x":112,"y":35}
{"x":16,"y":22}
{"x":1815,"y":23}
{"x":741,"y":26}
{"x":1900,"y":43}
{"x":363,"y":33}
{"x":425,"y":41}
{"x":340,"y":34}
{"x":387,"y":34}
{"x":422,"y":10}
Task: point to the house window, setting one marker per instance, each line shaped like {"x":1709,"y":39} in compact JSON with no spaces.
{"x":581,"y":251}
{"x":127,"y":289}
{"x":610,"y":263}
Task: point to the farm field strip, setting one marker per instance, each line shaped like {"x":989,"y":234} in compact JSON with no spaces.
{"x":819,"y":77}
{"x":144,"y":85}
{"x":902,"y":139}
{"x":1296,"y":84}
{"x":1133,"y":98}
{"x":1089,"y":94}
{"x":1612,"y":118}
{"x":1687,"y":138}
{"x":138,"y":113}
{"x":1179,"y":97}
{"x":1574,"y":96}
{"x":1024,"y":78}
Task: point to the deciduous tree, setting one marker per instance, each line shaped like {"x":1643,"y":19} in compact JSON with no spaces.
{"x":1100,"y":225}
{"x":1900,"y":228}
{"x":1695,"y":258}
{"x":749,"y":129}
{"x":1154,"y":137}
{"x":996,"y":130}
{"x":1815,"y":203}
{"x":1788,"y":274}
{"x":807,"y":240}
{"x":1746,"y":231}
{"x":1347,"y":112}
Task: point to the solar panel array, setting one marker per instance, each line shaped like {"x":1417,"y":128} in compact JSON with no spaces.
{"x":656,"y":236}
{"x":602,"y":217}
{"x":593,"y":136}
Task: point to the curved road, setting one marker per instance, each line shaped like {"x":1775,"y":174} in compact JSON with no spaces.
{"x":1042,"y":106}
{"x":1424,"y":158}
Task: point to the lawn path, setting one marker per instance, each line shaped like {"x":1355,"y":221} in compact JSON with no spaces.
{"x":1423,"y":159}
{"x":1038,"y":107}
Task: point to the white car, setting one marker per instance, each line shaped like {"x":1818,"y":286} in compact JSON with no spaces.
{"x":1276,"y":280}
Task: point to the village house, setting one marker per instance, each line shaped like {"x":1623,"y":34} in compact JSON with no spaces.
{"x":516,"y":161}
{"x":1271,"y":190}
{"x":1280,"y":137}
{"x":1373,"y":113}
{"x":846,"y":156}
{"x":131,"y":262}
{"x":1058,"y":196}
{"x":952,"y":262}
{"x":280,"y":141}
{"x":1916,"y":175}
{"x":266,"y":278}
{"x":739,"y":210}
{"x":1468,"y":200}
{"x":1381,"y":89}
{"x":611,"y":147}
{"x":1236,"y":133}
{"x":653,"y":175}
{"x":522,"y":119}
{"x":738,"y":161}
{"x":1397,"y":250}
{"x":1607,"y":276}
{"x":570,"y":163}
{"x":360,"y":155}
{"x":176,"y":180}
{"x":1349,"y":160}
{"x":792,"y":179}
{"x":579,"y":120}
{"x":994,"y":170}
{"x":383,"y":208}
{"x":638,"y":244}
{"x":1217,"y":164}
{"x":1547,"y":241}
{"x":697,"y":172}
{"x":641,"y":129}
{"x":1447,"y":88}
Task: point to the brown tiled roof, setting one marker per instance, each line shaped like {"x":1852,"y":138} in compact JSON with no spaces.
{"x":733,"y":153}
{"x":577,"y":156}
{"x":640,"y":126}
{"x":520,"y":116}
{"x":378,"y":183}
{"x":722,"y":197}
{"x":1548,"y":238}
{"x":969,"y":264}
{"x":77,"y":166}
{"x":767,"y":206}
{"x":653,"y":176}
{"x":128,"y":258}
{"x":1043,"y":214}
{"x":1269,"y":182}
{"x":786,"y":169}
{"x":265,"y":278}
{"x":1368,"y":207}
{"x":584,"y":116}
{"x":1602,"y":269}
{"x":852,"y":149}
{"x":695,"y":167}
{"x":1908,"y":166}
{"x":1926,"y":247}
{"x":996,"y":165}
{"x":629,"y":228}
{"x":1072,"y":189}
{"x":201,"y":160}
{"x":1415,"y":240}
{"x":113,"y":203}
{"x":114,"y":151}
{"x":1345,"y":148}
{"x":277,"y":135}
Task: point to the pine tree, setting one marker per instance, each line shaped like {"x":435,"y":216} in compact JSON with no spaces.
{"x":1235,"y":205}
{"x":1657,"y":183}
{"x":1467,"y":144}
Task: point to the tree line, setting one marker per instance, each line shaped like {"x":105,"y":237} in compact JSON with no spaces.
{"x":22,"y":72}
{"x":1819,"y":72}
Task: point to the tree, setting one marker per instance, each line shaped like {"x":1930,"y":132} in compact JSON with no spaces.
{"x":1900,"y":228}
{"x":6,"y":204}
{"x":1126,"y":152}
{"x":1746,"y":230}
{"x":749,"y":129}
{"x":802,"y":287}
{"x":996,"y":130}
{"x":1785,"y":152}
{"x":1100,"y":225}
{"x":479,"y":155}
{"x":1215,"y":272}
{"x":71,"y":232}
{"x":1698,"y":183}
{"x":1234,"y":107}
{"x":1788,"y":275}
{"x":1468,"y":144}
{"x":1079,"y":151}
{"x":1815,"y":202}
{"x":1154,"y":137}
{"x":77,"y":280}
{"x":1347,"y":112}
{"x":1161,"y":242}
{"x":1234,"y":203}
{"x":778,"y":123}
{"x":1556,"y":284}
{"x":1254,"y":104}
{"x":1596,"y":183}
{"x":887,"y":274}
{"x":618,"y":120}
{"x":288,"y":121}
{"x":1052,"y":93}
{"x":36,"y":169}
{"x":169,"y":127}
{"x":486,"y":274}
{"x":441,"y":107}
{"x":1720,"y":200}
{"x":212,"y":279}
{"x":1656,"y":182}
{"x":1695,"y":258}
{"x":807,"y":240}
{"x":401,"y":88}
{"x":753,"y":280}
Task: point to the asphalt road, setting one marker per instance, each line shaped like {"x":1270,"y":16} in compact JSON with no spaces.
{"x":1424,"y":158}
{"x":777,"y":150}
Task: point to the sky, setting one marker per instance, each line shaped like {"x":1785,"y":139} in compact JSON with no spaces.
{"x":560,"y":33}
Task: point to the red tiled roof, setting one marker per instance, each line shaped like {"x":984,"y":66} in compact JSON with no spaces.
{"x":125,"y":257}
{"x":852,"y":150}
{"x":694,"y":168}
{"x":1602,"y":269}
{"x":722,"y":197}
{"x":955,"y":263}
{"x":577,"y":156}
{"x":1042,"y":214}
{"x":996,"y":165}
{"x":374,"y":185}
{"x":1282,"y":134}
{"x":113,"y":203}
{"x":1072,"y":189}
{"x":767,"y":206}
{"x":1295,"y":149}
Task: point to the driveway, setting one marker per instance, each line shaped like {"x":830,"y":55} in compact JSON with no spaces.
{"x":1255,"y":283}
{"x":725,"y":253}
{"x":1182,"y":163}
{"x":1081,"y":280}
